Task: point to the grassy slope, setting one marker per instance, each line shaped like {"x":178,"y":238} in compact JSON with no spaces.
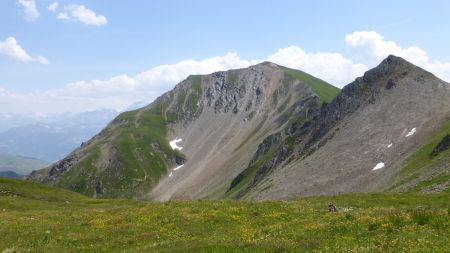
{"x":41,"y":219}
{"x":19,"y":164}
{"x":324,"y":90}
{"x":421,"y":161}
{"x":137,"y":165}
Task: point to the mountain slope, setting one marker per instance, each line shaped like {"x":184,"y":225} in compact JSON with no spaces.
{"x":220,"y":118}
{"x":363,"y":138}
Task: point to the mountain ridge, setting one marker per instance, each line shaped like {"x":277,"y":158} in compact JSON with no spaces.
{"x":243,"y":131}
{"x":412,"y":86}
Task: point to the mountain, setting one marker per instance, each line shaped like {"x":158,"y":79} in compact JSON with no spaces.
{"x":17,"y":166}
{"x":12,"y":120}
{"x":10,"y":174}
{"x":221,"y":118}
{"x":376,"y":135}
{"x":270,"y":132}
{"x":52,"y":138}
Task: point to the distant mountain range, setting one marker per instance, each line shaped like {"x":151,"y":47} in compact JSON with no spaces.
{"x":53,"y":137}
{"x":10,"y":174}
{"x":270,"y":132}
{"x":17,"y":166}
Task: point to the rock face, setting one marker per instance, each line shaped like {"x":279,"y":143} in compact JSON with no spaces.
{"x":264,"y":132}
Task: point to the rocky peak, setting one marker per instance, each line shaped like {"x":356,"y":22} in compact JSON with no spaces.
{"x":364,"y":90}
{"x":391,"y":67}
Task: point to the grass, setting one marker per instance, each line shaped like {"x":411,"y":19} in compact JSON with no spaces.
{"x":232,"y":77}
{"x":181,"y":97}
{"x":324,"y":90}
{"x":196,"y":81}
{"x":141,"y":155}
{"x":35,"y":218}
{"x":437,"y":180}
{"x":422,"y":158}
{"x":195,"y":95}
{"x":80,"y":182}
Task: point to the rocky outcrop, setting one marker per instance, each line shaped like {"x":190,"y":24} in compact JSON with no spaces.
{"x":442,"y":146}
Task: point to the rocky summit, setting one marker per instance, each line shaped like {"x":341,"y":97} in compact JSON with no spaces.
{"x":270,"y":132}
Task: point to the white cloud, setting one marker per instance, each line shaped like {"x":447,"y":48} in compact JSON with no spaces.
{"x":79,"y":13}
{"x":331,"y":67}
{"x":371,"y":47}
{"x":120,"y":91}
{"x":152,"y":82}
{"x":117,"y":92}
{"x":29,"y":9}
{"x":52,"y":7}
{"x":12,"y":49}
{"x":2,"y":91}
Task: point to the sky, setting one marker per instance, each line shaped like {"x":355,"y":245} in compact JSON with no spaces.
{"x":76,"y":55}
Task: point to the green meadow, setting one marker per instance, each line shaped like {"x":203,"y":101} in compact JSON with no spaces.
{"x":36,"y":218}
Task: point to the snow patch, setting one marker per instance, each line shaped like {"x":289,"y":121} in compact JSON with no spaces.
{"x":177,"y":168}
{"x":390,"y":145}
{"x":173,"y":144}
{"x":378,"y":166}
{"x":412,"y":132}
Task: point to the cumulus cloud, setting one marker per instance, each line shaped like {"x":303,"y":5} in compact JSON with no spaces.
{"x":331,"y":67}
{"x":371,"y":47}
{"x":52,"y":7}
{"x":79,"y":13}
{"x":152,"y":82}
{"x":120,"y":91}
{"x":12,"y":49}
{"x":117,"y":92}
{"x":29,"y":9}
{"x":48,"y":103}
{"x":2,"y":90}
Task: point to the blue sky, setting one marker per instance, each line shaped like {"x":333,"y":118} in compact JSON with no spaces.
{"x":136,"y":36}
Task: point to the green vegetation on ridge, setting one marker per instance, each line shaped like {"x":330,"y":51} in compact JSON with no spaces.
{"x":324,"y":90}
{"x":40,"y":219}
{"x":140,"y":150}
